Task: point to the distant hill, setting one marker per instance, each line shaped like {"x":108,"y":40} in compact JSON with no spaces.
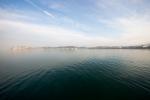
{"x":21,"y":48}
{"x":145,"y":46}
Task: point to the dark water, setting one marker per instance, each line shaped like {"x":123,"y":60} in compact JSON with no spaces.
{"x":75,"y":75}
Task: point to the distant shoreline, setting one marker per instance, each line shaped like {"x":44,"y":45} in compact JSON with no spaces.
{"x":26,"y":48}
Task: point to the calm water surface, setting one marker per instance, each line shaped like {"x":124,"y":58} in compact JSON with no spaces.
{"x":58,"y":74}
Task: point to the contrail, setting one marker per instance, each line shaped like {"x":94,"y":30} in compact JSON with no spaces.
{"x":43,"y":11}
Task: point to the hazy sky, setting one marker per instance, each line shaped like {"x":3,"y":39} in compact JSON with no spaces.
{"x":74,"y":22}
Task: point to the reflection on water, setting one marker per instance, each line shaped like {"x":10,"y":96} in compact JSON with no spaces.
{"x":58,"y":74}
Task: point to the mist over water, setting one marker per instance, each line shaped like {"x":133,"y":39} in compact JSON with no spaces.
{"x":57,"y":74}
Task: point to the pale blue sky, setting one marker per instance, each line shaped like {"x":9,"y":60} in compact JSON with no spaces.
{"x":74,"y":22}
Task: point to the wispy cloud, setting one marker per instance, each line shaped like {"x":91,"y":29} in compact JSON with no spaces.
{"x":133,"y":29}
{"x":48,"y":35}
{"x":40,"y":9}
{"x":48,"y":13}
{"x":124,"y":22}
{"x":131,"y":21}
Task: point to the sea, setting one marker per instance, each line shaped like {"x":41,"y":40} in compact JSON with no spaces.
{"x":75,"y":74}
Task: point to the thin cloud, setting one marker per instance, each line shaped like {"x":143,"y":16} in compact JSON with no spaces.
{"x":48,"y":35}
{"x":133,"y":29}
{"x":39,"y":8}
{"x":48,"y":13}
